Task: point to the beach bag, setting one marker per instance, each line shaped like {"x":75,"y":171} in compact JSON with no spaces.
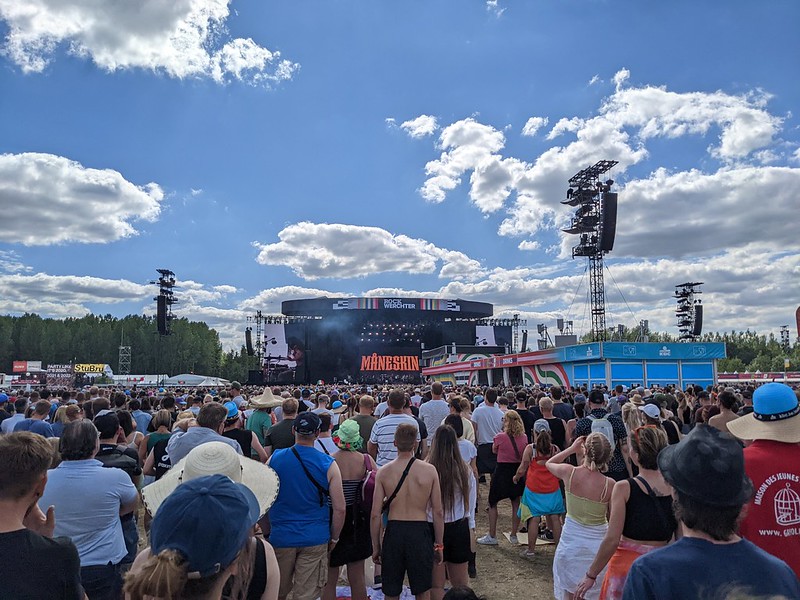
{"x":604,"y":426}
{"x":367,"y":487}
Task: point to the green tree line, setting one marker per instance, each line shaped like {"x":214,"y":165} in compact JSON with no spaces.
{"x":192,"y":347}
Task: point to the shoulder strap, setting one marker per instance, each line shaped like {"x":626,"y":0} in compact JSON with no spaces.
{"x":569,"y":483}
{"x":367,"y":464}
{"x":605,"y":490}
{"x":514,"y":443}
{"x":652,"y":494}
{"x":322,"y":491}
{"x":391,"y":498}
{"x":324,"y":449}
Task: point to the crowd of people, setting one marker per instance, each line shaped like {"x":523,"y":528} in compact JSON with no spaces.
{"x":250,"y":493}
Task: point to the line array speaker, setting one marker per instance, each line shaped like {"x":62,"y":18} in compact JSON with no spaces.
{"x":609,"y":230}
{"x":161,"y":315}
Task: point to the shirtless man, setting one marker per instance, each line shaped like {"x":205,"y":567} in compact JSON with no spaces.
{"x":410,"y":545}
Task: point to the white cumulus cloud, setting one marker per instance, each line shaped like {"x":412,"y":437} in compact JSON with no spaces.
{"x":422,"y":126}
{"x":180,"y":38}
{"x":50,"y":199}
{"x":533,"y":125}
{"x":317,"y":250}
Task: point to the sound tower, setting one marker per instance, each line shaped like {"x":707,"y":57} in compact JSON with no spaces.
{"x":248,"y":340}
{"x":609,"y":229}
{"x":161,"y":315}
{"x":524,"y":347}
{"x":697,"y":327}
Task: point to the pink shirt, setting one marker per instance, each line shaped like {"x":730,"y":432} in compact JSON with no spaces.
{"x":505,"y":449}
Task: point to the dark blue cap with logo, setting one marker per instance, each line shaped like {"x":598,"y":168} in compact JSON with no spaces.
{"x":307,"y":423}
{"x":207,"y":508}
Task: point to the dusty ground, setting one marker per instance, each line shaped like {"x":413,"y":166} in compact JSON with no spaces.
{"x":502,"y":573}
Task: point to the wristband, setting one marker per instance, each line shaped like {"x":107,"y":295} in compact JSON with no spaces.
{"x":335,"y":541}
{"x":590,"y":577}
{"x":438,"y":547}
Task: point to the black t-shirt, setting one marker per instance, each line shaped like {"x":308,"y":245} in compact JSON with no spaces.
{"x":243,"y":436}
{"x":528,"y":419}
{"x":558,"y":432}
{"x":35,"y":567}
{"x":423,"y":435}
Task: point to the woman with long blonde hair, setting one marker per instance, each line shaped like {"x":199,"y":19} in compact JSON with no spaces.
{"x":508,"y":445}
{"x":588,"y":493}
{"x":458,"y":501}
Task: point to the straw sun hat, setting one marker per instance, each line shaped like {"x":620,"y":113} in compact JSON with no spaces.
{"x":266,"y":400}
{"x":214,"y":458}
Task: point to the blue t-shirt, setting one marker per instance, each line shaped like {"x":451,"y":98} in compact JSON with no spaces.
{"x":296,"y":518}
{"x":35,"y":426}
{"x":694,"y":568}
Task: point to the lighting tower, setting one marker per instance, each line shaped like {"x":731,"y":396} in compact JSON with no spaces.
{"x":689,"y":311}
{"x":595,"y":221}
{"x":786,"y":343}
{"x":165,"y":299}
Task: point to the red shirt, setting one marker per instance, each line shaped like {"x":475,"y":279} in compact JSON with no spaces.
{"x":773,"y":517}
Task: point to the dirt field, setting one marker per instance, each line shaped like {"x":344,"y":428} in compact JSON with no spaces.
{"x":502,"y":573}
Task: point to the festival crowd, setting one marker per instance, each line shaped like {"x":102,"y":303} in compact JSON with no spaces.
{"x":250,"y":493}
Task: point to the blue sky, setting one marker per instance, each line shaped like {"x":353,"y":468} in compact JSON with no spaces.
{"x":407,"y":148}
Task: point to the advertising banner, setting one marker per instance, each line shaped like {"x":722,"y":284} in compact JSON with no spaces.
{"x":59,"y":375}
{"x":90,"y":368}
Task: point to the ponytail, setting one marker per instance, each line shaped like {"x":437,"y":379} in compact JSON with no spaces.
{"x":544,"y":444}
{"x":163,"y":575}
{"x":598,"y":452}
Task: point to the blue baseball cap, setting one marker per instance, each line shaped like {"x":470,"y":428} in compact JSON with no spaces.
{"x":233,"y":410}
{"x":3,"y":398}
{"x":202,"y":509}
{"x":307,"y":423}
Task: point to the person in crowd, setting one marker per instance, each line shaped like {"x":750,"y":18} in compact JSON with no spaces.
{"x":409,"y":545}
{"x":580,"y":413}
{"x":36,"y":423}
{"x":542,"y":495}
{"x":710,"y":488}
{"x":260,"y":421}
{"x":558,"y":427}
{"x":747,"y":402}
{"x":324,"y":442}
{"x":469,"y":454}
{"x":248,"y":440}
{"x":519,"y":403}
{"x":6,"y":408}
{"x":364,"y":418}
{"x":772,"y":462}
{"x":208,"y":428}
{"x":355,"y":542}
{"x":422,"y":447}
{"x":457,"y":404}
{"x":141,"y":417}
{"x":154,"y":445}
{"x":381,"y":441}
{"x":562,"y":410}
{"x":652,"y":414}
{"x":65,"y":414}
{"x":435,"y":410}
{"x":99,"y":539}
{"x":26,"y":533}
{"x":588,"y":493}
{"x":280,"y":435}
{"x":133,"y":437}
{"x":489,"y":419}
{"x":632,"y":417}
{"x":641,"y":517}
{"x":304,"y":528}
{"x":235,"y":394}
{"x":217,"y":458}
{"x":508,"y":445}
{"x":181,"y":563}
{"x":459,"y":495}
{"x":728,"y":404}
{"x":611,"y":425}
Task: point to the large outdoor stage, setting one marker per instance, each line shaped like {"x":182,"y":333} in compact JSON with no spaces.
{"x":370,"y":339}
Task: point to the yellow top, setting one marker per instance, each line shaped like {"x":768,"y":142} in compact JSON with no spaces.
{"x":584,"y":510}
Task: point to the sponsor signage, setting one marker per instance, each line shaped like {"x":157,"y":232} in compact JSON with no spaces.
{"x":90,"y":368}
{"x":383,"y":362}
{"x":396,"y":304}
{"x":26,"y":366}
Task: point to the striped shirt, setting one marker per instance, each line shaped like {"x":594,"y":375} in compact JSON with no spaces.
{"x":383,"y":435}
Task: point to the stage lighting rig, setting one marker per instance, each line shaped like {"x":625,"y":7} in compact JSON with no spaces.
{"x":689,"y":311}
{"x":595,"y":221}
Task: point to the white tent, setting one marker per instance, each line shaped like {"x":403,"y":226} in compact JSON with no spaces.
{"x":192,"y":380}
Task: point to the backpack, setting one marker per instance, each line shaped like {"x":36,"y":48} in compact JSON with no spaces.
{"x":604,"y":426}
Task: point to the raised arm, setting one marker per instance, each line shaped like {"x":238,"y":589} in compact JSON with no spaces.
{"x":555,"y":464}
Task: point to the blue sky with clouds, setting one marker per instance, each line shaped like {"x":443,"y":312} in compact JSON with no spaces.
{"x":274,"y":150}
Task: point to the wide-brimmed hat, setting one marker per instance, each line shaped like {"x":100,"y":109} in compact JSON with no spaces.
{"x":708,"y":466}
{"x":215,"y":458}
{"x":348,"y":436}
{"x":774,"y":417}
{"x":266,"y":400}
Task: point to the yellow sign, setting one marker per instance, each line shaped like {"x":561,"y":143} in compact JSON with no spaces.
{"x":90,"y":368}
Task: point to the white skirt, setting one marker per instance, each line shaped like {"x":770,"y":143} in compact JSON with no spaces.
{"x":574,"y":555}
